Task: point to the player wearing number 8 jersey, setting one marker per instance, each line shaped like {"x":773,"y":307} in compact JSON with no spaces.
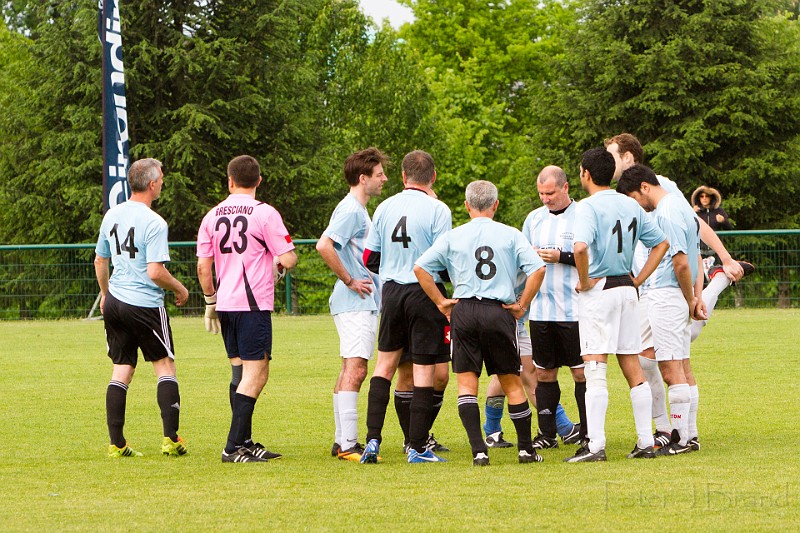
{"x":483,"y":258}
{"x":607,"y":227}
{"x":239,"y":238}
{"x":134,"y":238}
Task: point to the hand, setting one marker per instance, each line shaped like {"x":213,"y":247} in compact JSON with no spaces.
{"x":549,"y":255}
{"x":516,"y":310}
{"x":699,"y":312}
{"x":211,"y":319}
{"x":362,"y":286}
{"x":446,"y":306}
{"x":733,"y":270}
{"x":589,"y":286}
{"x":278,"y":270}
{"x":181,"y":296}
{"x":696,"y":208}
{"x":102,"y":301}
{"x":720,"y":218}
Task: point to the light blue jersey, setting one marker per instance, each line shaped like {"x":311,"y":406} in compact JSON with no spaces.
{"x":133,"y":235}
{"x":348,"y":229}
{"x":404,"y":226}
{"x":557,"y":300}
{"x":680,"y":224}
{"x":611,"y":224}
{"x":482,"y":258}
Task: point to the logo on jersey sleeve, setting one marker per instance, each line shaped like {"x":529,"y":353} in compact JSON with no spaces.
{"x":288,"y":239}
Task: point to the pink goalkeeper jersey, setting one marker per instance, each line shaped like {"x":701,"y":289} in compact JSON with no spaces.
{"x":243,"y":235}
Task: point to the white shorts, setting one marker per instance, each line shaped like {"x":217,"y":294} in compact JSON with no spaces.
{"x":357,"y":332}
{"x":608,"y":320}
{"x":666,"y":324}
{"x":524,"y":340}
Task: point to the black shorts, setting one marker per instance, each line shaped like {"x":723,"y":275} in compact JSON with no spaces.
{"x":247,"y":334}
{"x":425,"y":359}
{"x":412,"y":322}
{"x":484,"y":333}
{"x":130,"y":327}
{"x":555,"y":344}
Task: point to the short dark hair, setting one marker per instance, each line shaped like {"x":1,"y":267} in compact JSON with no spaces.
{"x":600,"y":164}
{"x":245,"y":171}
{"x":363,"y":162}
{"x":632,"y":178}
{"x":419,"y":167}
{"x":627,"y":142}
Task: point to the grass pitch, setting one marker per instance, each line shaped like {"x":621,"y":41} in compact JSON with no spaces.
{"x":55,"y":474}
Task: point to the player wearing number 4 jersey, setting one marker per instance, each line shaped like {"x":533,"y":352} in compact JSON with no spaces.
{"x":404,"y":226}
{"x":607,"y":227}
{"x":483,"y":258}
{"x":132,"y":301}
{"x":239,"y":238}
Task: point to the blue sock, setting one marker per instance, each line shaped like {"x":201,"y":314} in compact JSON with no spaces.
{"x":563,"y":423}
{"x":494,"y":414}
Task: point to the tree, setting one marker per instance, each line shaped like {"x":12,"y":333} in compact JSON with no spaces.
{"x":711,"y":89}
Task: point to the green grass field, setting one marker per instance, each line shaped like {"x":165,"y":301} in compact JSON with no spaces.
{"x":55,"y":474}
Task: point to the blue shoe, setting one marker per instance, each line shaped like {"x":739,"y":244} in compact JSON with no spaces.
{"x":371,"y":451}
{"x":427,"y":457}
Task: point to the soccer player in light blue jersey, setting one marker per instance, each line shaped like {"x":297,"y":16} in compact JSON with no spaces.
{"x":671,"y":296}
{"x":134,"y":238}
{"x":482,"y":258}
{"x":627,"y":151}
{"x":608,"y":225}
{"x":404,"y":226}
{"x":355,"y":300}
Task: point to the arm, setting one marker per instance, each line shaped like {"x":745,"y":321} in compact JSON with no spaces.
{"x":699,"y":312}
{"x":161,"y":277}
{"x":372,"y":260}
{"x":328,"y":253}
{"x":732,"y":269}
{"x":581,"y":254}
{"x":445,"y":305}
{"x":680,"y":263}
{"x":656,"y":255}
{"x":101,"y":272}
{"x":553,"y":255}
{"x":288,"y":260}
{"x":532,"y":285}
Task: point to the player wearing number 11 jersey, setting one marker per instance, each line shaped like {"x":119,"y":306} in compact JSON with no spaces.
{"x":239,"y":238}
{"x":607,"y":227}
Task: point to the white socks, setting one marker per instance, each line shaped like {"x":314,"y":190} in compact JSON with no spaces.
{"x":719,"y":283}
{"x":348,"y":418}
{"x":337,"y":438}
{"x":694,"y":399}
{"x":642,"y":402}
{"x":597,"y":404}
{"x":679,"y":398}
{"x":653,"y":375}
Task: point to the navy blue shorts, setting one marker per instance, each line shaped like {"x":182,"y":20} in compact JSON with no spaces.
{"x":247,"y":334}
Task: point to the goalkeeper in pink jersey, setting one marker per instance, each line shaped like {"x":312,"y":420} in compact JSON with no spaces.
{"x":239,"y":238}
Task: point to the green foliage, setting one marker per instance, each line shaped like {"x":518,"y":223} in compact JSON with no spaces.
{"x":710,"y":88}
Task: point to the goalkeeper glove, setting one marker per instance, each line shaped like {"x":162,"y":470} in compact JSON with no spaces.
{"x":211,"y":318}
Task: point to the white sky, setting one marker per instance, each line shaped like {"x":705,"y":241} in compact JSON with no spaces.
{"x":380,"y":9}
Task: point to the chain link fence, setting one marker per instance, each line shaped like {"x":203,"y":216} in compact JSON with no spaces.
{"x":57,"y":280}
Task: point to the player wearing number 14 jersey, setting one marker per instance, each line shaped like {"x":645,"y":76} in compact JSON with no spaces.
{"x":239,"y":238}
{"x":134,"y":238}
{"x":607,"y":227}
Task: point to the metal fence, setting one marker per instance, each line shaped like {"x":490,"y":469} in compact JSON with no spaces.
{"x":57,"y":280}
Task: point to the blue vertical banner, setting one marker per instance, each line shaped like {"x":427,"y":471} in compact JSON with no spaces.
{"x":115,"y":114}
